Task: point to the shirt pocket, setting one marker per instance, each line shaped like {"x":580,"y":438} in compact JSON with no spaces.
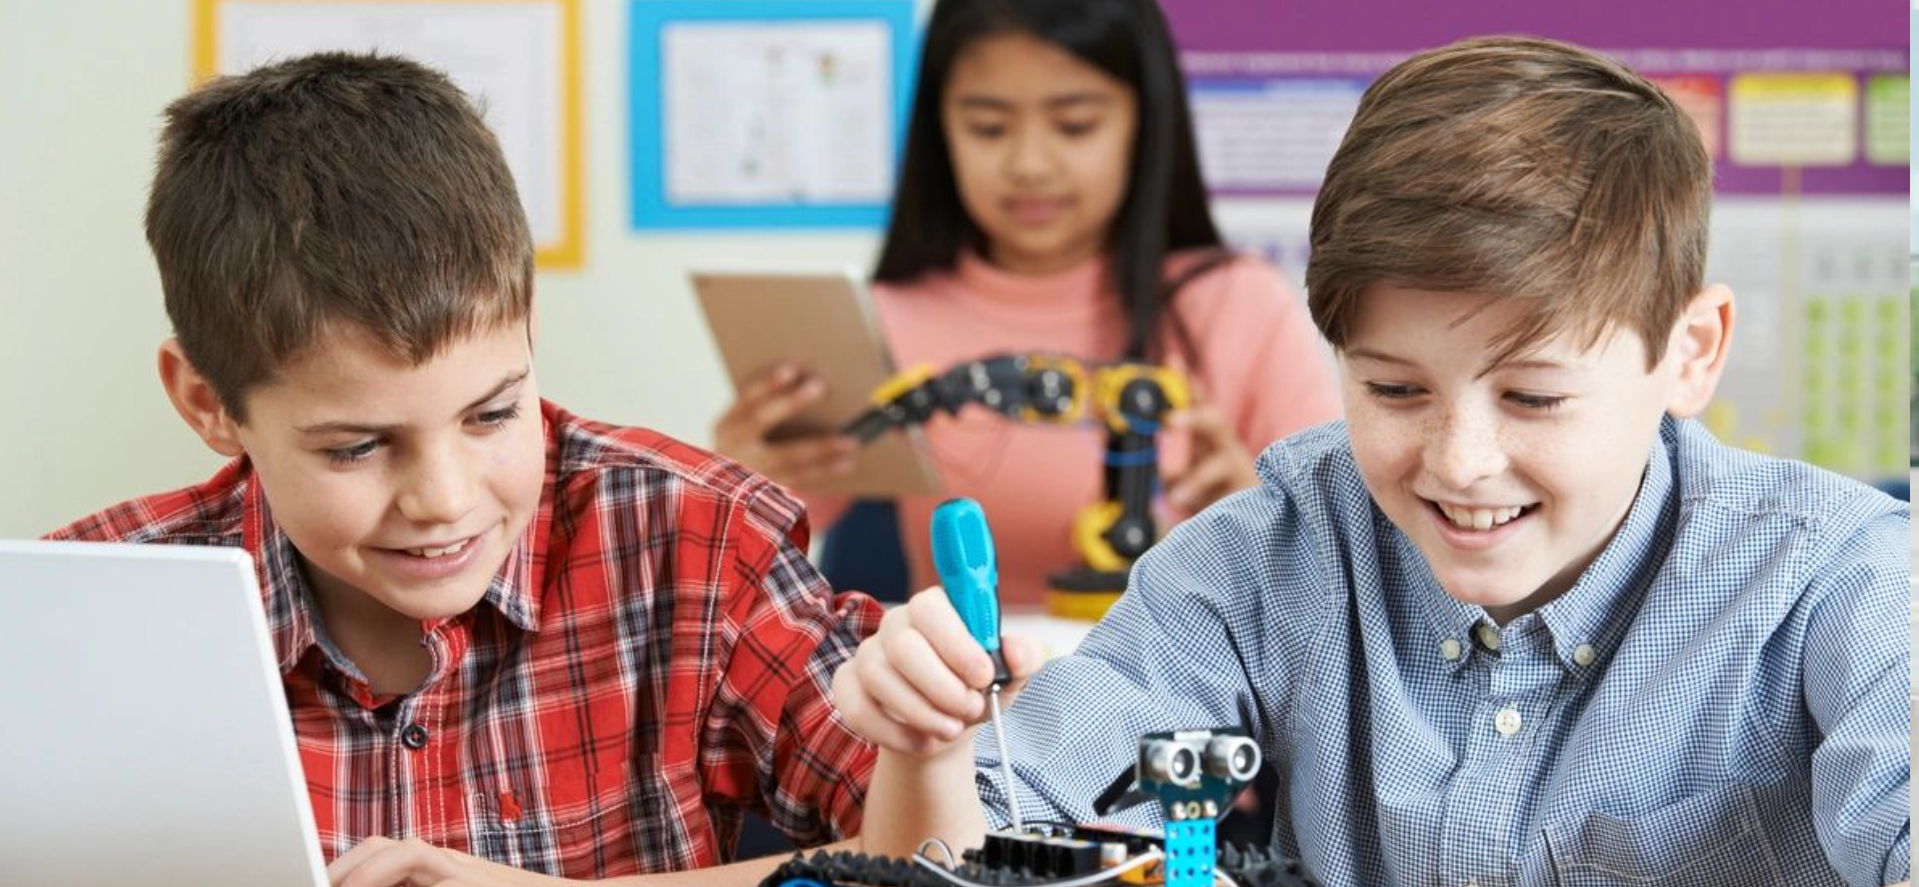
{"x":1712,"y":839}
{"x":580,"y":825}
{"x":579,"y":798}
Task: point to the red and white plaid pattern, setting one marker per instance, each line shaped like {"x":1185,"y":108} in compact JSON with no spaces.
{"x":652,"y":660}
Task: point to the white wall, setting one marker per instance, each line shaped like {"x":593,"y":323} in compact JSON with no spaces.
{"x":83,"y":422}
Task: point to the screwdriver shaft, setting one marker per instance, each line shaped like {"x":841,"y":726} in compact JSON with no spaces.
{"x":1005,"y":763}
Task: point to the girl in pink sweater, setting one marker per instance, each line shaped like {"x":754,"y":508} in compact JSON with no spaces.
{"x":1050,"y":201}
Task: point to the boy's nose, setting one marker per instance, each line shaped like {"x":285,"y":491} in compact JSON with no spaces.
{"x":1463,"y":451}
{"x":439,"y":490}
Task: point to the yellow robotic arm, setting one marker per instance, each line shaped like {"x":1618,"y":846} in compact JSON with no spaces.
{"x":1130,"y":400}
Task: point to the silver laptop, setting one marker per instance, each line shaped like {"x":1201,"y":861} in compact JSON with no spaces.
{"x":144,"y":735}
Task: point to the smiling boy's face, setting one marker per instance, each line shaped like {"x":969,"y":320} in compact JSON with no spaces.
{"x":406,"y":484}
{"x":1510,"y":479}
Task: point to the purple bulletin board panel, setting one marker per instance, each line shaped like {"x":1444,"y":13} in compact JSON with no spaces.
{"x":1791,"y":97}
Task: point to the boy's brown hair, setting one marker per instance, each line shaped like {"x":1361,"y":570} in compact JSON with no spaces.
{"x":1517,"y":167}
{"x":330,"y":191}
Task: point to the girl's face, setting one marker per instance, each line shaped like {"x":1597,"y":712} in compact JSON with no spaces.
{"x":1042,"y":146}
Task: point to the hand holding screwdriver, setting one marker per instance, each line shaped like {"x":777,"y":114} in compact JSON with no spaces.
{"x":914,"y":687}
{"x":969,"y":571}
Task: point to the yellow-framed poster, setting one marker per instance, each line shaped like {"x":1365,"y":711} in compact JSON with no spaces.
{"x":518,"y":59}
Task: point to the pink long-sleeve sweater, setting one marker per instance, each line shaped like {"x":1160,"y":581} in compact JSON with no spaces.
{"x":1259,"y":360}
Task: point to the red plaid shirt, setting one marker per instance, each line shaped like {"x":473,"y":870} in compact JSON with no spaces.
{"x":652,"y":660}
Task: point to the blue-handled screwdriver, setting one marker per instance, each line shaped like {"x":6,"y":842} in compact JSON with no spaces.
{"x":963,"y":555}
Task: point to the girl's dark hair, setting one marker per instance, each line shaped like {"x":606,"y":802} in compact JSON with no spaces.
{"x":1165,"y":206}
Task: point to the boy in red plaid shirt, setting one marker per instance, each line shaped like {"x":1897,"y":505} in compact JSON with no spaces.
{"x":516,"y":643}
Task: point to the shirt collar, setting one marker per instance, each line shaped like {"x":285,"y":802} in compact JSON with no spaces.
{"x":515,"y":590}
{"x":518,"y":589}
{"x":1450,"y":620}
{"x":1595,"y":612}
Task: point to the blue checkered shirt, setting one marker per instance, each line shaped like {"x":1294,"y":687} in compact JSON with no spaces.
{"x":1720,"y":699}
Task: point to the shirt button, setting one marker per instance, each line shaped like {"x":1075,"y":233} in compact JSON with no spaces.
{"x":1583,"y":654}
{"x":413,"y":736}
{"x":1489,"y":636}
{"x":1449,"y":649}
{"x":1507,"y":721}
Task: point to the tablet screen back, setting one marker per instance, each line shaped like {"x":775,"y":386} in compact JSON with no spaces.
{"x":144,"y":733}
{"x":821,"y":321}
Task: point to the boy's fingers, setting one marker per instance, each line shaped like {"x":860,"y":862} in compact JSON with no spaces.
{"x":911,"y":656}
{"x":398,"y":862}
{"x":865,"y":717}
{"x":933,"y":615}
{"x":898,"y":699}
{"x":1023,"y":655}
{"x":350,"y":860}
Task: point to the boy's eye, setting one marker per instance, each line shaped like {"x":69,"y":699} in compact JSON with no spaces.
{"x":1391,"y":391}
{"x":499,"y":417}
{"x":1540,"y":402}
{"x":351,"y":454}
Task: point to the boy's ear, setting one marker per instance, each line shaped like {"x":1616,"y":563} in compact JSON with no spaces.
{"x":193,"y":396}
{"x":1698,"y":347}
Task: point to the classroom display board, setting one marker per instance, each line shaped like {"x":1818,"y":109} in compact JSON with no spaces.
{"x":519,"y":60}
{"x":1807,"y":114}
{"x":767,"y":113}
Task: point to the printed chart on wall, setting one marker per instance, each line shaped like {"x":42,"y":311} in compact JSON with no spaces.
{"x":1805,"y":109}
{"x":767,"y":113}
{"x":518,"y":60}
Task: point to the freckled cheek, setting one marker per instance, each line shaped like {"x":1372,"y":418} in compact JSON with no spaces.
{"x":1381,"y":441}
{"x":1561,"y":465}
{"x":1383,"y":462}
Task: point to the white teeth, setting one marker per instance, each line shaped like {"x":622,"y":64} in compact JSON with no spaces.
{"x":438,"y":552}
{"x":1479,"y":518}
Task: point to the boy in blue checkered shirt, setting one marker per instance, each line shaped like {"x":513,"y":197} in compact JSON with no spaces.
{"x":1519,"y":619}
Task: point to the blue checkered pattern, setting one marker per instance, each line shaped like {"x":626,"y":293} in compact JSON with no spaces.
{"x":1721,"y":699}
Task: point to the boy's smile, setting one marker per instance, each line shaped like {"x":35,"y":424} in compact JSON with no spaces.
{"x":401,"y":486}
{"x":1509,"y":478}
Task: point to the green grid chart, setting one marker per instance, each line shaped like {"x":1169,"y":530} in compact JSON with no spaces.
{"x":1821,"y":364}
{"x":1854,"y":382}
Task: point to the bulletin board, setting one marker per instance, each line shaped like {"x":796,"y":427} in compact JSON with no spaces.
{"x":1805,"y":109}
{"x":519,"y":60}
{"x":767,"y":113}
{"x":1790,"y":97}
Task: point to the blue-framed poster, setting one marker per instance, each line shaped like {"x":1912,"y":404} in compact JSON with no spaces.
{"x":767,"y":113}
